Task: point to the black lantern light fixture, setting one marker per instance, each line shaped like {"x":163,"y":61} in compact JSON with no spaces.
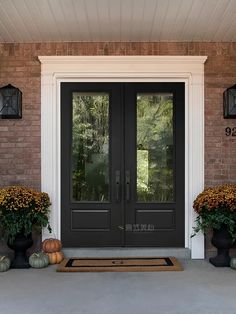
{"x":229,"y":100}
{"x":10,"y":102}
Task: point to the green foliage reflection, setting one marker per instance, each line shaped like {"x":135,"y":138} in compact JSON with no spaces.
{"x":155,"y":147}
{"x":90,"y":146}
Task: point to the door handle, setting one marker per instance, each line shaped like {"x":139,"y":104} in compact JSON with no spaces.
{"x":127,"y":185}
{"x":117,"y":185}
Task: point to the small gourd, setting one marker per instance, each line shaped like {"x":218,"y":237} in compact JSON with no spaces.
{"x":4,"y":263}
{"x":38,"y":260}
{"x":233,"y":262}
{"x":51,"y":245}
{"x":55,"y":258}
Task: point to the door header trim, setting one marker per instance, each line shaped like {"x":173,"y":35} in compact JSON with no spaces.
{"x":188,"y":69}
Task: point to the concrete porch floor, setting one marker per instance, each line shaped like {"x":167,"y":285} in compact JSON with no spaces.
{"x":200,"y":288}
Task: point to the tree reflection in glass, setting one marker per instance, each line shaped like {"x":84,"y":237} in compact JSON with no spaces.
{"x":155,"y":173}
{"x":90,"y":147}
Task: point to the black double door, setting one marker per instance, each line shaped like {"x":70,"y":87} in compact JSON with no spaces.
{"x":122,"y":164}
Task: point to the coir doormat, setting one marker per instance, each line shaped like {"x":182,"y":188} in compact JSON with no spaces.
{"x":119,"y":264}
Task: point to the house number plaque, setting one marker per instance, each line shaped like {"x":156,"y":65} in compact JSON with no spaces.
{"x":230,"y":131}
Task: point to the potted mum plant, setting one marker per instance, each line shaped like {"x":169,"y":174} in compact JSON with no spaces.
{"x":21,"y":210}
{"x":216,"y":209}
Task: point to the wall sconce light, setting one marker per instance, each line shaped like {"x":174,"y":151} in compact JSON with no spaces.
{"x":10,"y":102}
{"x":229,"y":101}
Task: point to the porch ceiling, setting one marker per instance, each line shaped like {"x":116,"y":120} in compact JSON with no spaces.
{"x":117,"y":20}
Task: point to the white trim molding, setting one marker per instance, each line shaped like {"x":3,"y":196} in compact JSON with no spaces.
{"x":187,"y":69}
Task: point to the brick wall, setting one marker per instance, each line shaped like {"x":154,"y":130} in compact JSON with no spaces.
{"x":20,"y":139}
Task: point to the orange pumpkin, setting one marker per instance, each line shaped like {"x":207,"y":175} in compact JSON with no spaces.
{"x":55,"y":258}
{"x":51,"y":245}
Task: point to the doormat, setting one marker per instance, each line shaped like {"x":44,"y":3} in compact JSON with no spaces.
{"x":119,"y":264}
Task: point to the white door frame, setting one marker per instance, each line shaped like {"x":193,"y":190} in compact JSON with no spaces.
{"x":187,"y":69}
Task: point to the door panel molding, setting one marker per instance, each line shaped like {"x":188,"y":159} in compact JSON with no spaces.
{"x":187,"y":69}
{"x":101,"y":222}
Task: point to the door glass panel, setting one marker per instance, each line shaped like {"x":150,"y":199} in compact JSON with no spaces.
{"x":90,"y":147}
{"x":155,"y":160}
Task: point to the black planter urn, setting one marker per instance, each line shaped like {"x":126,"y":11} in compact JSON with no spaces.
{"x":20,"y":245}
{"x":223,"y":241}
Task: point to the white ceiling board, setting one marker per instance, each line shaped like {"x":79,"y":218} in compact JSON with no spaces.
{"x":181,"y":20}
{"x":103,"y":19}
{"x":127,"y":13}
{"x":9,"y":23}
{"x":161,"y":11}
{"x":57,"y":10}
{"x":151,"y":17}
{"x":29,"y":24}
{"x":40,"y":10}
{"x":117,"y":20}
{"x":19,"y":22}
{"x":82,"y":29}
{"x":5,"y":33}
{"x":218,"y":9}
{"x":206,"y":12}
{"x":226,"y":21}
{"x":137,"y":25}
{"x":92,"y":19}
{"x":192,"y":20}
{"x":170,"y":19}
{"x":231,"y":29}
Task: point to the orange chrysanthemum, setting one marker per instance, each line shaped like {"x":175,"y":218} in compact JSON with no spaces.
{"x":222,"y":196}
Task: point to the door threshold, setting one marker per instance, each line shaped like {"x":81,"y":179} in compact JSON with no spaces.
{"x":182,"y":253}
